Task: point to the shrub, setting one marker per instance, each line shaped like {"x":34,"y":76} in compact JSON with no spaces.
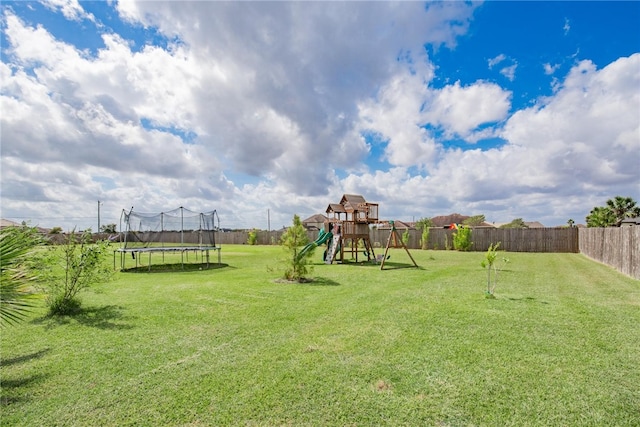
{"x":253,"y":237}
{"x":405,"y":236}
{"x":462,"y":239}
{"x":55,"y":230}
{"x":424,"y":238}
{"x":61,"y":304}
{"x":71,"y":267}
{"x":423,"y":225}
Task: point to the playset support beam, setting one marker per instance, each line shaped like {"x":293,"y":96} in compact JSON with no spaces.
{"x":393,"y":236}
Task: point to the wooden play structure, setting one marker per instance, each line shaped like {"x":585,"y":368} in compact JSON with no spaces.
{"x":347,"y":231}
{"x":349,"y":223}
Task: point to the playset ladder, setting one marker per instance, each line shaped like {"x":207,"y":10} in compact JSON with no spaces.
{"x":335,"y":242}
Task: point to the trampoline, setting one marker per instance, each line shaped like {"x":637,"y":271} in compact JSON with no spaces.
{"x":178,"y":231}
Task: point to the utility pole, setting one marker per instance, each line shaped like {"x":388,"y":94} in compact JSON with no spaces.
{"x":99,"y":216}
{"x":269,"y":220}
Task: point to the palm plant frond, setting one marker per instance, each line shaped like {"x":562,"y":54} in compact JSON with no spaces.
{"x":17,"y":297}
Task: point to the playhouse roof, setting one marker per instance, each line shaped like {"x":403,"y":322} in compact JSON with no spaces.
{"x":352,"y":199}
{"x":335,"y":208}
{"x":356,"y":205}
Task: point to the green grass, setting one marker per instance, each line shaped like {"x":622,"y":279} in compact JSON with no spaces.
{"x":560,"y":345}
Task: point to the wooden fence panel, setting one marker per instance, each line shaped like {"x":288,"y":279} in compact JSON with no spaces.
{"x":511,"y":239}
{"x":601,"y":244}
{"x":514,"y":240}
{"x":618,"y":247}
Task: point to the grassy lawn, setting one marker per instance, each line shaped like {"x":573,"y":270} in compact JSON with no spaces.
{"x":560,"y":345}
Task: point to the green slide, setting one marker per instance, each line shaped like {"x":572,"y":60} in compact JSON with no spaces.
{"x":323,"y":236}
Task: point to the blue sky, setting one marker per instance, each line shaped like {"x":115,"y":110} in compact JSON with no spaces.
{"x":507,"y":109}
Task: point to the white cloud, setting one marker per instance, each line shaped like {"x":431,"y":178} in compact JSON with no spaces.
{"x":550,"y":69}
{"x":586,"y":133}
{"x":562,"y":157}
{"x":461,"y":109}
{"x":397,"y":114}
{"x":269,"y":90}
{"x":496,"y":60}
{"x":71,"y":9}
{"x":509,"y":72}
{"x":278,"y":96}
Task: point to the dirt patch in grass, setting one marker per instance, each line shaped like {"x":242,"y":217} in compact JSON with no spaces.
{"x":382,"y":385}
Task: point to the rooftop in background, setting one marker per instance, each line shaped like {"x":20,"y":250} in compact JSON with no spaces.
{"x":7,"y":223}
{"x":630,"y":222}
{"x":454,"y":218}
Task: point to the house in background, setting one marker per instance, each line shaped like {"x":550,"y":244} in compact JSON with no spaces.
{"x":4,"y":223}
{"x":630,"y":222}
{"x":445,"y":221}
{"x":534,"y":224}
{"x":314,"y":222}
{"x":400,"y":225}
{"x":7,"y":223}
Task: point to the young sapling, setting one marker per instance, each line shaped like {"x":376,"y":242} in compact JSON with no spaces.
{"x":490,"y":263}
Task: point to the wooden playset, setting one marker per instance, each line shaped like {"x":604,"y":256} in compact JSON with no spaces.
{"x":347,"y":230}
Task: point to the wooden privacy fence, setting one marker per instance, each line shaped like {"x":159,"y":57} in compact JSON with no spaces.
{"x":512,"y":239}
{"x":262,"y":237}
{"x":618,"y":247}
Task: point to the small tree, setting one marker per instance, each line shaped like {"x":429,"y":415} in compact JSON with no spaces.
{"x":600,"y":216}
{"x":474,"y":221}
{"x":516,"y":223}
{"x":462,"y":239}
{"x":55,"y":230}
{"x":623,"y":207}
{"x":253,"y":237}
{"x":423,"y":225}
{"x":292,"y":241}
{"x":108,"y":228}
{"x":490,"y":263}
{"x":72,"y":267}
{"x":405,"y":236}
{"x":615,"y":211}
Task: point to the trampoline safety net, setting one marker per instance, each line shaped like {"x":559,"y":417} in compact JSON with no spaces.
{"x":176,"y":228}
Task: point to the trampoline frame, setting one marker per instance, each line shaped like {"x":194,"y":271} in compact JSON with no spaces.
{"x":136,"y":252}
